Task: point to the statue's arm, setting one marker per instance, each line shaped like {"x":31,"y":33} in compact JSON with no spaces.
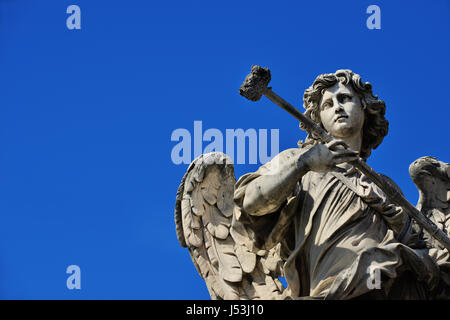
{"x":267,"y":192}
{"x":273,"y":186}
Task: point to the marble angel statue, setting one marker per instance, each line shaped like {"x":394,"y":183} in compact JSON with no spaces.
{"x":310,"y":216}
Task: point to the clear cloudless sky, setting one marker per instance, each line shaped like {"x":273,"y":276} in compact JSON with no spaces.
{"x":86,"y":116}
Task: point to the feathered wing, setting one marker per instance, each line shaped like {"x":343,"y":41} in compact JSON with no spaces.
{"x":219,"y":244}
{"x":432,"y":178}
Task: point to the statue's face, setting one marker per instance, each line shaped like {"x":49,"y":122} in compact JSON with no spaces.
{"x":341,"y":111}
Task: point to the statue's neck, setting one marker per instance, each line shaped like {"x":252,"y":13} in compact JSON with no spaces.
{"x":354,"y":142}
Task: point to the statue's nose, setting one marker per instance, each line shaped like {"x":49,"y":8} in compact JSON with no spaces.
{"x":339,"y":107}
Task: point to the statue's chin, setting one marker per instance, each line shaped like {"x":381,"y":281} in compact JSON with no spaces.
{"x":343,"y":131}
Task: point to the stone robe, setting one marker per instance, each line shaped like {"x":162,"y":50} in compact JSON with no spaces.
{"x":338,"y":237}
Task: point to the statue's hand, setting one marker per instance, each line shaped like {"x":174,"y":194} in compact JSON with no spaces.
{"x":325,"y":157}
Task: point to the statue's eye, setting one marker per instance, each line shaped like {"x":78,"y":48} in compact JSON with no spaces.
{"x":326,"y":105}
{"x":346,"y":98}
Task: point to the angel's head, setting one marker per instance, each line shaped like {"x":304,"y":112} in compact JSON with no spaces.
{"x":427,"y":170}
{"x":432,"y":178}
{"x":344,"y":105}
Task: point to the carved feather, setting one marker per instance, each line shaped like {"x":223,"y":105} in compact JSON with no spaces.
{"x":241,"y":235}
{"x":246,"y":258}
{"x":215,"y":222}
{"x":225,"y":197}
{"x":197,"y":202}
{"x":229,"y":266}
{"x":225,"y":290}
{"x":210,"y":186}
{"x":191,"y":238}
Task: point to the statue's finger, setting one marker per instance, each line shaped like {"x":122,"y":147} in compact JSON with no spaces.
{"x":338,"y":169}
{"x":335,"y":143}
{"x":344,"y":153}
{"x":339,"y":160}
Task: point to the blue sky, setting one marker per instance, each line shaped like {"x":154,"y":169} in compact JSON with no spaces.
{"x":86,"y":118}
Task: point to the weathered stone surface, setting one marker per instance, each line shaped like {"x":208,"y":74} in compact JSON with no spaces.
{"x":310,"y":216}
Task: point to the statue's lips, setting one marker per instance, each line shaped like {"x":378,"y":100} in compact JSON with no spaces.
{"x":340,"y":118}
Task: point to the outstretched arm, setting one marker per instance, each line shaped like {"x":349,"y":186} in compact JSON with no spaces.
{"x":267,"y":192}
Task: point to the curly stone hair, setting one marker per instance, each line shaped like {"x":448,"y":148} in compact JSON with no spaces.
{"x":375,"y":126}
